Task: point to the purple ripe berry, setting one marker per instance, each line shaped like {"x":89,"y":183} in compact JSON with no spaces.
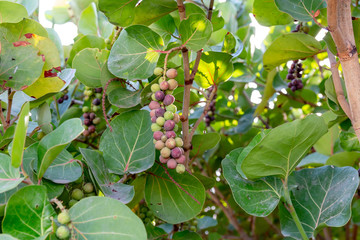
{"x":92,"y":116}
{"x":66,"y":97}
{"x":87,"y":122}
{"x":96,"y":102}
{"x":171,"y":164}
{"x":170,"y":134}
{"x":181,"y":159}
{"x":163,"y":160}
{"x":159,"y":112}
{"x":168,"y":100}
{"x":159,"y":95}
{"x":176,"y":152}
{"x":153,"y":119}
{"x":169,"y":125}
{"x":154,"y":105}
{"x":157,"y":135}
{"x":164,"y":85}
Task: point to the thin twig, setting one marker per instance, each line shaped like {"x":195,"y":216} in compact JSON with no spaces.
{"x":338,"y":86}
{"x":273,"y":226}
{"x":116,"y":35}
{"x":103,"y":103}
{"x":2,"y":117}
{"x":10,"y":99}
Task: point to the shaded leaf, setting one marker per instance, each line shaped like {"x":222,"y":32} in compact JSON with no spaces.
{"x":20,"y":136}
{"x":301,"y":10}
{"x":9,"y":176}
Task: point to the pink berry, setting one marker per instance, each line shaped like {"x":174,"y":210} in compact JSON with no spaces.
{"x":164,"y":85}
{"x":170,"y":134}
{"x":171,"y":164}
{"x":159,"y":145}
{"x":157,"y":135}
{"x":173,"y":84}
{"x":169,"y":125}
{"x":153,"y":119}
{"x":168,"y":100}
{"x":154,"y":105}
{"x":152,"y":113}
{"x":163,"y":160}
{"x":171,"y":73}
{"x":170,"y":143}
{"x":176,"y":118}
{"x":165,"y":152}
{"x":159,"y":95}
{"x":181,"y":159}
{"x":176,"y":152}
{"x":159,"y":112}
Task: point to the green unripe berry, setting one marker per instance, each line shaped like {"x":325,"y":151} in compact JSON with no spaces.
{"x":176,"y":128}
{"x":95,"y":108}
{"x":305,"y":29}
{"x":142,"y":215}
{"x":171,"y":108}
{"x":155,"y":87}
{"x":96,"y":120}
{"x":158,"y":71}
{"x":147,"y":220}
{"x":153,"y":97}
{"x":161,"y":80}
{"x":154,"y":141}
{"x":193,"y":228}
{"x":180,"y":168}
{"x":86,"y":98}
{"x":87,"y":88}
{"x":149,"y":214}
{"x":64,"y":217}
{"x":155,"y":127}
{"x":98,"y":95}
{"x":40,"y":135}
{"x":165,"y":152}
{"x":63,"y":232}
{"x":88,"y":188}
{"x":169,"y":92}
{"x":144,"y":210}
{"x":77,"y":194}
{"x":210,"y":113}
{"x":90,"y":194}
{"x":169,"y":115}
{"x":85,"y":109}
{"x":160,"y":121}
{"x":179,"y":142}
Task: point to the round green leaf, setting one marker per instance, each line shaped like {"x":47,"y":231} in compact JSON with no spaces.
{"x":129,"y":146}
{"x":267,"y":13}
{"x":343,"y":159}
{"x":135,"y":53}
{"x":168,"y":201}
{"x":202,"y":143}
{"x":12,"y":12}
{"x":290,"y":46}
{"x":27,"y":213}
{"x":9,"y":176}
{"x":124,"y":98}
{"x":87,"y":41}
{"x":88,"y":22}
{"x":214,"y":68}
{"x":195,"y":31}
{"x":104,"y":218}
{"x":91,"y":67}
{"x":321,"y":197}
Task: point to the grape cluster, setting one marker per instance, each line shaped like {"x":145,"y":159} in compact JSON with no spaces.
{"x":77,"y":194}
{"x":90,"y":119}
{"x":164,"y":119}
{"x":294,"y":75}
{"x":211,"y":112}
{"x":62,"y":99}
{"x":63,"y":231}
{"x":146,"y":215}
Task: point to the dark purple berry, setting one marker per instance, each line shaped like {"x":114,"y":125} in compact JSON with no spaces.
{"x":66,"y":97}
{"x":170,"y":134}
{"x":160,"y":112}
{"x":293,"y":88}
{"x":290,"y":76}
{"x":92,"y":129}
{"x":86,"y":115}
{"x":60,"y":100}
{"x":168,"y":100}
{"x":92,"y":116}
{"x":176,"y":152}
{"x":98,"y":90}
{"x":169,"y":125}
{"x":159,"y":95}
{"x":87,"y":122}
{"x":96,"y":102}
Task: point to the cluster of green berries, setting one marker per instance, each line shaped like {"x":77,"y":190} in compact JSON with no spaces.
{"x":192,"y":225}
{"x":294,"y":75}
{"x":95,"y":95}
{"x":63,"y":231}
{"x":164,"y":121}
{"x":211,"y":112}
{"x":146,"y":215}
{"x":77,"y":194}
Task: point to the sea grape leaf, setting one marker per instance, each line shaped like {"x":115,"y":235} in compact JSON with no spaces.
{"x":321,"y":197}
{"x":301,"y":10}
{"x":129,"y":147}
{"x":168,"y":201}
{"x":281,"y":150}
{"x":268,"y":14}
{"x":135,"y":53}
{"x":20,"y":136}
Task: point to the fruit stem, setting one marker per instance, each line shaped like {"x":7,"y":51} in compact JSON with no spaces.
{"x":58,"y":203}
{"x":292,"y":211}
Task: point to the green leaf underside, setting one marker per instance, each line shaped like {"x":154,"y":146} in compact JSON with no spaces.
{"x":135,"y":53}
{"x":321,"y":197}
{"x":258,"y":198}
{"x":301,"y":10}
{"x":27,"y":214}
{"x":282,"y":149}
{"x":122,"y":192}
{"x":290,"y":46}
{"x":129,"y":147}
{"x":9,"y":176}
{"x":53,"y":143}
{"x":20,"y":136}
{"x":168,"y":201}
{"x":104,"y":218}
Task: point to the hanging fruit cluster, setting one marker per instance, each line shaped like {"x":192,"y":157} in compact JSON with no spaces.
{"x":211,"y":112}
{"x":77,"y":194}
{"x":164,"y":119}
{"x":90,"y":118}
{"x":294,"y":75}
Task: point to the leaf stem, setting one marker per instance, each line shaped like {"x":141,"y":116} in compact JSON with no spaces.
{"x":293,"y":212}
